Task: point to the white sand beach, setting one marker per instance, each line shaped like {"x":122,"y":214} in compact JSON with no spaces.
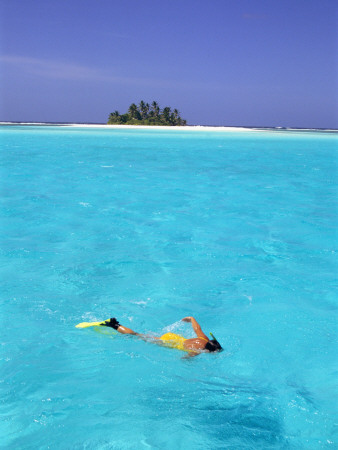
{"x":168,"y":128}
{"x":144,"y":127}
{"x":147,"y":127}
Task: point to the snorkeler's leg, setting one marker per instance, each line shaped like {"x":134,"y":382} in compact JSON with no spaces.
{"x":145,"y":337}
{"x":125,"y":330}
{"x":113,"y":323}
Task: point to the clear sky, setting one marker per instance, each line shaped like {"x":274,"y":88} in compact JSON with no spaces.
{"x":220,"y":62}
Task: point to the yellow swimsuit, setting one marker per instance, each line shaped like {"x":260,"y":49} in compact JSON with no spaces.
{"x":173,"y":340}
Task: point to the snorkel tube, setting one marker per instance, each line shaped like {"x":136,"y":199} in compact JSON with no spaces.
{"x":213,"y":337}
{"x":215,"y":342}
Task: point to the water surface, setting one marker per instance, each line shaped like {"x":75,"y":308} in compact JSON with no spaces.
{"x":236,"y":229}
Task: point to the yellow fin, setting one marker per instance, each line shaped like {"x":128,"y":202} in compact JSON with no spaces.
{"x":89,"y":324}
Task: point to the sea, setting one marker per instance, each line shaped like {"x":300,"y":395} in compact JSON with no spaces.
{"x":237,"y":229}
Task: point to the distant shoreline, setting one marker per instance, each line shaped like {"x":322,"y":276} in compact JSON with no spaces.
{"x":136,"y":127}
{"x":159,"y":127}
{"x":163,"y":127}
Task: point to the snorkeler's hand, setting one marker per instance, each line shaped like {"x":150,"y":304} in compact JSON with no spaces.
{"x":196,"y":327}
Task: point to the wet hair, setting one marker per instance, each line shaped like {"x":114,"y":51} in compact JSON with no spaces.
{"x":213,"y":346}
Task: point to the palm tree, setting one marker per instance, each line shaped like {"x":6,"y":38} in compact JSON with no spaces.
{"x":166,"y":113}
{"x":172,"y":119}
{"x":144,"y":109}
{"x":141,"y":107}
{"x":114,"y":117}
{"x":176,"y":117}
{"x":156,"y":109}
{"x":133,"y":111}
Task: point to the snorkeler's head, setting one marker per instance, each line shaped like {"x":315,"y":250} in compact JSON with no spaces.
{"x":213,"y":345}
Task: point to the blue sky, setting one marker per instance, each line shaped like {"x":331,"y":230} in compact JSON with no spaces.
{"x":220,"y":62}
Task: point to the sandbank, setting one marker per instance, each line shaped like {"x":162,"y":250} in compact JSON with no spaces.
{"x":159,"y":127}
{"x":136,"y":127}
{"x":169,"y":128}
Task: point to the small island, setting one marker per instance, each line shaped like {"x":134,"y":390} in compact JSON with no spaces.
{"x":145,"y":114}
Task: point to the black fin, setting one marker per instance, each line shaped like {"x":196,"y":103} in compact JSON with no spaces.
{"x":112,"y":323}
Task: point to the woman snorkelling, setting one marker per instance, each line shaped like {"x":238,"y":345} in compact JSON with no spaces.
{"x":193,"y":346}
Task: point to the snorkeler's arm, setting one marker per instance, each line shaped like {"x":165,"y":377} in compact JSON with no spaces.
{"x":196,"y":327}
{"x":190,"y":355}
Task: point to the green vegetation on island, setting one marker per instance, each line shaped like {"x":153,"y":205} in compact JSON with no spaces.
{"x":145,"y":114}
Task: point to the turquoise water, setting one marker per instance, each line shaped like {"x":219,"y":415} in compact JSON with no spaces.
{"x":236,"y":229}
